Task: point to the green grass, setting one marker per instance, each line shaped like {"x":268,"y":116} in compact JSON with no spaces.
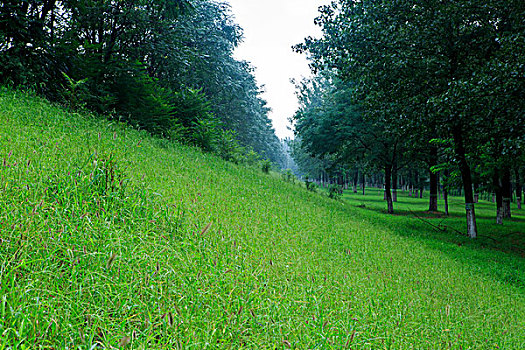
{"x":412,"y":218}
{"x":103,"y":243}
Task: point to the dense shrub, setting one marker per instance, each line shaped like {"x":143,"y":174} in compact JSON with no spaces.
{"x":310,"y":185}
{"x":335,"y":191}
{"x":266,"y":165}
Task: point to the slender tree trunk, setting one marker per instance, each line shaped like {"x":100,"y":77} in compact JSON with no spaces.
{"x":356,"y":178}
{"x":518,"y":189}
{"x":445,"y":191}
{"x":418,"y":184}
{"x":388,"y":193}
{"x":506,"y":191}
{"x":476,"y":192}
{"x":434,"y":178}
{"x":409,"y":183}
{"x":466,"y":176}
{"x":433,"y":202}
{"x":394,"y":185}
{"x":363,"y":182}
{"x":499,"y":198}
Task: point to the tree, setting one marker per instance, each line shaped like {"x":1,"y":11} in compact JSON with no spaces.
{"x":329,"y":122}
{"x":437,"y":61}
{"x":147,"y":62}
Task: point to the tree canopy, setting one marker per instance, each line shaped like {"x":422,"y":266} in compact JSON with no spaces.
{"x":165,"y":66}
{"x":431,"y":73}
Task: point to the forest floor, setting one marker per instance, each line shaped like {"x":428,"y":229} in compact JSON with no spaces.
{"x":110,"y":238}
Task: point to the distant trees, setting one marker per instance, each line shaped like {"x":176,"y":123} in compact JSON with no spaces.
{"x":439,"y":81}
{"x":165,"y":66}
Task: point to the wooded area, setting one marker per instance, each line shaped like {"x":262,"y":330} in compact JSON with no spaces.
{"x":165,"y":66}
{"x":425,"y":89}
{"x":430,"y":93}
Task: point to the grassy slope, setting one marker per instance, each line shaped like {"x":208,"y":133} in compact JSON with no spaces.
{"x":280,"y":267}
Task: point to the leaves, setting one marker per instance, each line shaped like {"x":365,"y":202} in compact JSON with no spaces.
{"x":166,"y":67}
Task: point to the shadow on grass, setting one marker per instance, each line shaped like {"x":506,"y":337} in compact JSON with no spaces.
{"x":499,"y":249}
{"x":435,"y":214}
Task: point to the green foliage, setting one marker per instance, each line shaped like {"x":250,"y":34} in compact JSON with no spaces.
{"x":288,"y":176}
{"x":75,"y":92}
{"x":266,"y":165}
{"x":421,"y":71}
{"x":251,"y":158}
{"x":335,"y":191}
{"x":310,"y":185}
{"x":228,"y":148}
{"x":205,"y":134}
{"x":162,"y":66}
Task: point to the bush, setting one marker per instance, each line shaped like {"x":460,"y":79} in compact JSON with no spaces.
{"x":204,"y":134}
{"x":335,"y":191}
{"x":288,"y":176}
{"x":125,"y":88}
{"x":228,"y":148}
{"x":310,"y":185}
{"x":266,"y":165}
{"x":251,"y":157}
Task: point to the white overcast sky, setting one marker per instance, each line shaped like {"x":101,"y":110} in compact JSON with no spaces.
{"x":271,"y":28}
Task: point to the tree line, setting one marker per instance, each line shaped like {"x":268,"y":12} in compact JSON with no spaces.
{"x":165,"y":66}
{"x":419,"y":88}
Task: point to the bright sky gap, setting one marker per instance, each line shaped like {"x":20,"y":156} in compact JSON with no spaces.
{"x":271,"y":28}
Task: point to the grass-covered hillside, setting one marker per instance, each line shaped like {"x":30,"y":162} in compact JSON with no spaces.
{"x":110,"y":238}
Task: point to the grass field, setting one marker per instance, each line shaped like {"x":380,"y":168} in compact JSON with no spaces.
{"x":112,"y":239}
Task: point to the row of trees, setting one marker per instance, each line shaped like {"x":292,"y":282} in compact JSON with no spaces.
{"x":410,"y":84}
{"x":165,"y":66}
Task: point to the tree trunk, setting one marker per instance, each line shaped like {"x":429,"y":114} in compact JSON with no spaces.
{"x":506,"y":191}
{"x":356,"y":178}
{"x":466,"y":176}
{"x":518,"y":189}
{"x":363,"y":182}
{"x":394,"y":185}
{"x":445,"y":190}
{"x":476,"y":192}
{"x":388,"y":194}
{"x":434,"y":179}
{"x":499,"y":198}
{"x":433,"y":202}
